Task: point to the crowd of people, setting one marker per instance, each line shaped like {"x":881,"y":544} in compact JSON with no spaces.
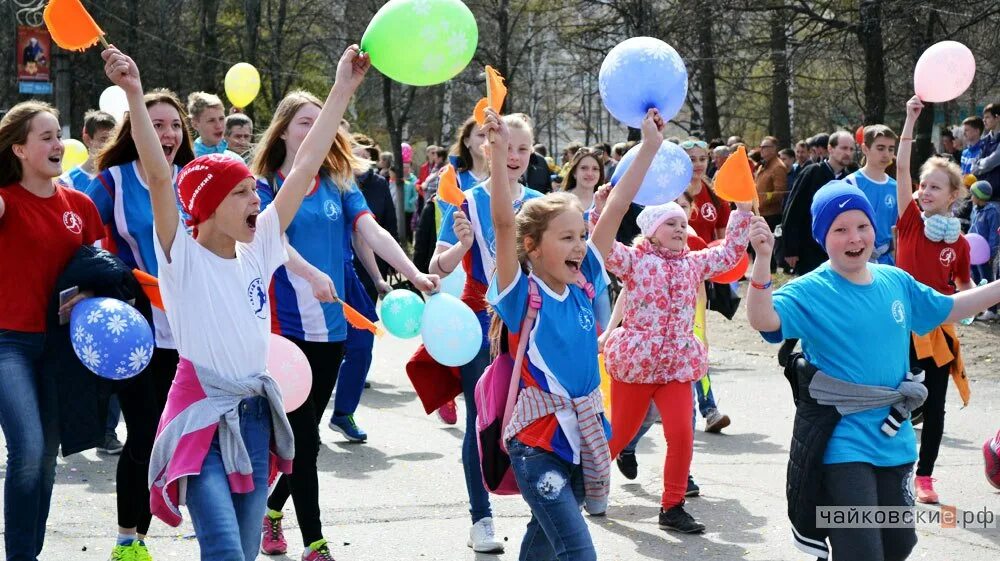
{"x":250,"y":234}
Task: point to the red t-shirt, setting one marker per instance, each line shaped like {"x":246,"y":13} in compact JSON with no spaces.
{"x":38,"y":237}
{"x":706,"y":215}
{"x":936,"y":264}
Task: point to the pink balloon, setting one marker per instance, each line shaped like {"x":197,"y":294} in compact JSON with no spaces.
{"x":979,"y":249}
{"x":944,"y":72}
{"x":407,"y":153}
{"x":287,"y":364}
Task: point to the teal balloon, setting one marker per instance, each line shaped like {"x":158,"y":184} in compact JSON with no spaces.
{"x":421,"y":42}
{"x":401,"y":313}
{"x":451,"y":331}
{"x":454,"y":283}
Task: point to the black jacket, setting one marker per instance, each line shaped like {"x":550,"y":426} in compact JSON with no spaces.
{"x":796,"y":224}
{"x":538,"y":176}
{"x":376,"y":191}
{"x":425,"y":239}
{"x":71,"y":392}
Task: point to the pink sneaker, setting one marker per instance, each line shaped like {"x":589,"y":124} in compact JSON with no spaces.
{"x":449,"y":413}
{"x":991,"y":454}
{"x":273,"y":538}
{"x":925,"y":490}
{"x":318,"y":553}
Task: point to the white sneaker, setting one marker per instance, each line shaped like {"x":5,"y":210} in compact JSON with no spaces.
{"x":987,"y":316}
{"x":482,"y":538}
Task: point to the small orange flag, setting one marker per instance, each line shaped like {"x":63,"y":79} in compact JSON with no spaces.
{"x":359,"y":321}
{"x":448,"y":190}
{"x":71,"y":26}
{"x":151,"y":286}
{"x":496,"y":93}
{"x":734,"y":180}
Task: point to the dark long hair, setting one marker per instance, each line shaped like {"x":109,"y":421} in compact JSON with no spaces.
{"x":465,"y":161}
{"x":14,"y":130}
{"x":121,"y":149}
{"x":582,"y":153}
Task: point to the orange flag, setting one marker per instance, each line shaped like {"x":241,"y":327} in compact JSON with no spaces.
{"x":448,"y":190}
{"x":71,"y":26}
{"x":496,"y":93}
{"x":734,"y":180}
{"x":357,"y":320}
{"x":151,"y":286}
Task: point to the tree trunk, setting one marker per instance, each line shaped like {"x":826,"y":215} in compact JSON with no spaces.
{"x":251,"y":24}
{"x":503,"y":63}
{"x":780,"y":124}
{"x":870,"y":36}
{"x":706,"y":75}
{"x":209,"y":17}
{"x":921,"y":38}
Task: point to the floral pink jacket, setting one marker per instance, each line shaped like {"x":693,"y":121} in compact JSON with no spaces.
{"x":656,"y":343}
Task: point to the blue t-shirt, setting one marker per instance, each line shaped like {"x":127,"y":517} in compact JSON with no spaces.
{"x":882,"y":197}
{"x":466,"y":179}
{"x":861,"y":334}
{"x":320,"y":232}
{"x":77,"y":179}
{"x":561,"y":351}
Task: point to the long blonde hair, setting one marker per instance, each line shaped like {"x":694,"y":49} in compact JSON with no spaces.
{"x":14,"y":129}
{"x":340,"y":165}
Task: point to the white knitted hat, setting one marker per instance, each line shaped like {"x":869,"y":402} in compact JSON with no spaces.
{"x":652,"y":217}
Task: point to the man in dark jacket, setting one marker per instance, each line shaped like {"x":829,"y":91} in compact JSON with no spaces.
{"x":376,"y":191}
{"x":538,"y":176}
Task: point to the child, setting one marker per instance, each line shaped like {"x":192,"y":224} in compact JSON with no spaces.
{"x":97,"y":129}
{"x":879,"y":149}
{"x":854,"y":319}
{"x":656,"y":355}
{"x":985,"y":220}
{"x":223,"y":409}
{"x":208,"y":118}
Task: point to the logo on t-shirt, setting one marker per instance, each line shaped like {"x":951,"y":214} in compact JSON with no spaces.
{"x":586,"y":319}
{"x":947,"y":257}
{"x":708,"y":212}
{"x":72,"y":222}
{"x":258,"y":298}
{"x":331,"y":210}
{"x":890,"y":201}
{"x":898,"y":312}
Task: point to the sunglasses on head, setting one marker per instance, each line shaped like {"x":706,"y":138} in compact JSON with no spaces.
{"x":689,"y":144}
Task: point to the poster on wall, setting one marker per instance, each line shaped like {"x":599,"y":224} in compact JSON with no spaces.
{"x":34,"y":54}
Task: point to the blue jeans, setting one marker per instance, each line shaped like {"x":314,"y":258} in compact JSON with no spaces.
{"x":228,"y":524}
{"x":479,"y":499}
{"x":553,"y":489}
{"x":32,"y":444}
{"x":357,"y":347}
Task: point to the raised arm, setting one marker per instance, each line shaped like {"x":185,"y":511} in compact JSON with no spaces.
{"x":350,"y":72}
{"x":760,"y":304}
{"x":904,"y":183}
{"x":124,"y":73}
{"x":501,"y":203}
{"x":621,"y":196}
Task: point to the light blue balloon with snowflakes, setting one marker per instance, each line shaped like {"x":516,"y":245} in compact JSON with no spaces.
{"x":668,"y":176}
{"x":640,"y":74}
{"x":401,"y":313}
{"x":451,"y":331}
{"x":111,"y":338}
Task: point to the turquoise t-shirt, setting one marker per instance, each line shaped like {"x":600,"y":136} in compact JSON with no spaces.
{"x":882,"y":196}
{"x":861,"y":334}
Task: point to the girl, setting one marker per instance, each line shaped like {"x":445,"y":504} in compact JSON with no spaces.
{"x":223,"y":408}
{"x":942,"y":263}
{"x":306,"y":303}
{"x":122,"y":195}
{"x":656,"y":355}
{"x":467,"y":239}
{"x":42,"y":225}
{"x":710,"y":212}
{"x":469,"y":157}
{"x":584,"y":175}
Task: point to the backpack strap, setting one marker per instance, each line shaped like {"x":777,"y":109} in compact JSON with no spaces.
{"x":534,"y":304}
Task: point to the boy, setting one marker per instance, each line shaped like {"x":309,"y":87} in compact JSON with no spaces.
{"x":97,"y":129}
{"x":985,"y":220}
{"x":879,"y":149}
{"x":972,"y":130}
{"x":208,"y":117}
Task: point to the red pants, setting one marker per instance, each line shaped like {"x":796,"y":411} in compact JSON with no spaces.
{"x":629,"y":403}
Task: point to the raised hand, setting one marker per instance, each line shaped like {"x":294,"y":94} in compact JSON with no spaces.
{"x":761,"y":237}
{"x":913,"y":107}
{"x":352,"y":67}
{"x":121,"y":70}
{"x":601,"y":197}
{"x":652,"y":127}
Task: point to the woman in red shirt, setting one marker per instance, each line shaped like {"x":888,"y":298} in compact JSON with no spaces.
{"x":42,"y":225}
{"x":710,"y":214}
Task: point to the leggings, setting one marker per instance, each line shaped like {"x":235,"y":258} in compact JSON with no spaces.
{"x":936,"y":380}
{"x":303,"y":483}
{"x":673,"y":399}
{"x":142,"y":400}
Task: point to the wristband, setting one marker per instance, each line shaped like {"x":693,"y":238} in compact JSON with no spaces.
{"x":760,"y":286}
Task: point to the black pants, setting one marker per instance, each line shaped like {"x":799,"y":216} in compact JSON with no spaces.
{"x":142,"y":400}
{"x":936,"y":380}
{"x":862,"y":484}
{"x":303,"y":484}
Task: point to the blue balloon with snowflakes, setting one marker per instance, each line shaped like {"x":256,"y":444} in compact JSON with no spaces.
{"x":640,"y":74}
{"x":668,"y":176}
{"x":451,"y":331}
{"x":111,"y":338}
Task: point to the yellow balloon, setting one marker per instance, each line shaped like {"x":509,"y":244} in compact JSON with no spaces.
{"x":242,"y":84}
{"x":74,"y":154}
{"x":969,"y":179}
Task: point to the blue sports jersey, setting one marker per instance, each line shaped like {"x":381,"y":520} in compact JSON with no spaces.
{"x":466,"y":179}
{"x":561,"y":351}
{"x":861,"y":334}
{"x":882,"y":197}
{"x":320,"y":233}
{"x":77,"y":178}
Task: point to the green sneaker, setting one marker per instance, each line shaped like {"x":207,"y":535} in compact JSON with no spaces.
{"x":135,"y":551}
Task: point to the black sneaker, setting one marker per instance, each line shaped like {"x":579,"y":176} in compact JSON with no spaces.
{"x":111,"y":446}
{"x":678,"y":520}
{"x":628,"y":465}
{"x":693,"y":489}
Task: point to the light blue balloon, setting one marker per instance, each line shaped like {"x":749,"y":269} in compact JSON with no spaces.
{"x":111,"y":338}
{"x":451,"y":331}
{"x":401,"y":313}
{"x":668,"y":176}
{"x":454,"y":283}
{"x":640,"y":74}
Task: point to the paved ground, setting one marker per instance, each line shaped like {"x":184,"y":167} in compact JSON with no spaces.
{"x":402,"y":496}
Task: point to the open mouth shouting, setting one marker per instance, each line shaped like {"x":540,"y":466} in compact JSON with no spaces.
{"x":574,"y":265}
{"x":251,"y":221}
{"x":168,"y":151}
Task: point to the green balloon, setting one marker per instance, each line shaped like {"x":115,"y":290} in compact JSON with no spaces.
{"x":402,"y":311}
{"x":421,"y":42}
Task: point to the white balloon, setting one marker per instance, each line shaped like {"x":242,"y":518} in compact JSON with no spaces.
{"x":114,"y":101}
{"x":454,"y":283}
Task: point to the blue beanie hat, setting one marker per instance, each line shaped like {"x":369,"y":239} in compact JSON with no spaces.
{"x":833,"y":199}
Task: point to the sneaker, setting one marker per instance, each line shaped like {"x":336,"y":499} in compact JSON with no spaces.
{"x":111,"y":446}
{"x":715,"y":421}
{"x":482,"y":538}
{"x":272,"y":536}
{"x":628,"y":465}
{"x":318,"y":551}
{"x":345,"y":425}
{"x":925,"y":490}
{"x":693,"y":489}
{"x":135,"y":551}
{"x":677,"y":519}
{"x":991,"y":454}
{"x":987,"y":316}
{"x":448,"y":413}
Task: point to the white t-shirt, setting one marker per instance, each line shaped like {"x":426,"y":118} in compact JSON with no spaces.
{"x":218,"y":308}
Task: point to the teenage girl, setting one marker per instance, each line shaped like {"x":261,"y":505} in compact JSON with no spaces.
{"x":584,"y":175}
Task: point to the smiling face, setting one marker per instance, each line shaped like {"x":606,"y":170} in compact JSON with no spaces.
{"x":518,"y":153}
{"x":587,"y":173}
{"x":850,"y":242}
{"x":935,"y":194}
{"x":881,"y":153}
{"x":298,"y":128}
{"x":210,"y":124}
{"x":236,"y":215}
{"x":699,"y":160}
{"x":557,"y":258}
{"x":169,"y":129}
{"x":42,"y":152}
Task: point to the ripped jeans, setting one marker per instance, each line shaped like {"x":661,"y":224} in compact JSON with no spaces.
{"x":553,"y":489}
